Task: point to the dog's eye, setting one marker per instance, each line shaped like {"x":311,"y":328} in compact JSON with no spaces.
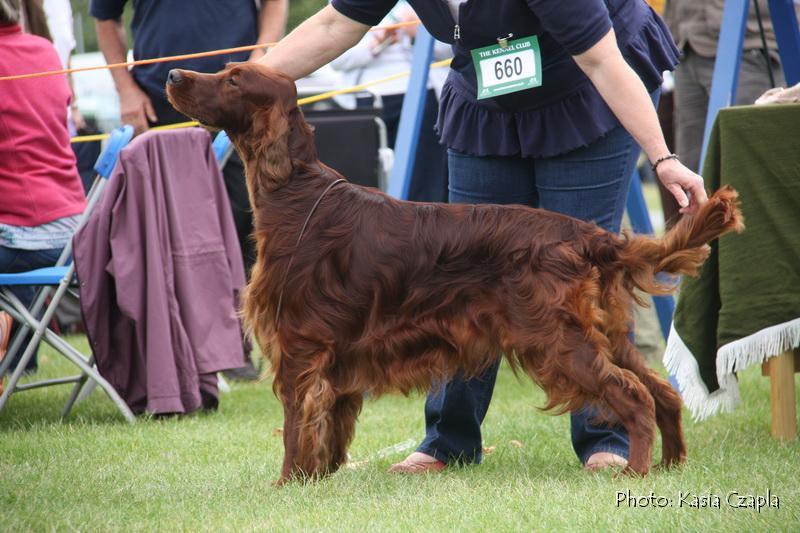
{"x":232,"y":82}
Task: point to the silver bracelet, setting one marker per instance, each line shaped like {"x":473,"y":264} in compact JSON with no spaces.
{"x":662,"y":159}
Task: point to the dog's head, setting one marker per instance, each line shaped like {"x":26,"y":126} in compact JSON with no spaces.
{"x":257,"y":107}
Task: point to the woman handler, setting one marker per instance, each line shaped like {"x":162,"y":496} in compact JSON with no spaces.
{"x":547,"y":104}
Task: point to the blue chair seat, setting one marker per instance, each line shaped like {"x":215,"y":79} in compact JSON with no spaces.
{"x":41,"y":276}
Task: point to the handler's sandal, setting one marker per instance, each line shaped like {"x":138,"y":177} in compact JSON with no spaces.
{"x":417,"y":463}
{"x":602,"y":460}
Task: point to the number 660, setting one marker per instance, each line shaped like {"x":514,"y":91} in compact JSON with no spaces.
{"x":507,"y":68}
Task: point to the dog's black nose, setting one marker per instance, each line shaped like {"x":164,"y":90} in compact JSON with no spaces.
{"x":174,"y":77}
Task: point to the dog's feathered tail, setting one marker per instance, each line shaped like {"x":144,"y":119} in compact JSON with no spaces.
{"x":684,"y":248}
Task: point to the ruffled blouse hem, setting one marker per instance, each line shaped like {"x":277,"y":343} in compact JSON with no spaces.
{"x":577,"y":120}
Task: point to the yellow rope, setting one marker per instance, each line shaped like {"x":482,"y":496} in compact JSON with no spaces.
{"x":301,"y":101}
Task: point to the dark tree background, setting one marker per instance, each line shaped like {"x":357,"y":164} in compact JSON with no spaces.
{"x":299,"y":10}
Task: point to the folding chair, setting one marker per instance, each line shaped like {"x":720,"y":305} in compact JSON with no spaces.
{"x":223,"y":149}
{"x":62,"y":276}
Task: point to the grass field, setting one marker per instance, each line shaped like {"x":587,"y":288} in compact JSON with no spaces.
{"x":214,"y":472}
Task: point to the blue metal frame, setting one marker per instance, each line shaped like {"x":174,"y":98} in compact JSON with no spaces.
{"x":726,"y":66}
{"x":787,"y":33}
{"x":729,"y":54}
{"x":405,"y":147}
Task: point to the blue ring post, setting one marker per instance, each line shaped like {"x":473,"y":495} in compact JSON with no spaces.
{"x":405,"y":147}
{"x":726,"y":66}
{"x":784,"y":22}
{"x":641,"y":224}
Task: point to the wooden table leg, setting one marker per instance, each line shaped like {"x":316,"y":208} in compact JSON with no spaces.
{"x":782,"y":395}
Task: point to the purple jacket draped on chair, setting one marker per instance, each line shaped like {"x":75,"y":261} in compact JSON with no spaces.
{"x":160,"y":273}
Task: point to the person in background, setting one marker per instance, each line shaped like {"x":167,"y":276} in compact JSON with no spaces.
{"x":696,"y":24}
{"x":52,"y":19}
{"x":161,"y":29}
{"x":41,"y":196}
{"x":384,"y":53}
{"x":58,"y":30}
{"x":59,"y":21}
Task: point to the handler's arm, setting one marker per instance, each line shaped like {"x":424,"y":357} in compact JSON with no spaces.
{"x":135,"y":105}
{"x":314,"y":43}
{"x":627,"y":97}
{"x":271,"y":24}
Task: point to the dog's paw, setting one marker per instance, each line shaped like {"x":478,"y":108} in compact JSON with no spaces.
{"x":672,"y":462}
{"x":628,"y":472}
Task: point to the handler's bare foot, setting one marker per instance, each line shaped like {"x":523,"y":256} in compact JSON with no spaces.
{"x":417,"y":463}
{"x":602,"y":460}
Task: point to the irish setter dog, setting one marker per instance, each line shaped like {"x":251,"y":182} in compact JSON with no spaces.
{"x":355,"y":292}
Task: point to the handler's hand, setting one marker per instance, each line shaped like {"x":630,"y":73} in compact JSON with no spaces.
{"x":136,"y":109}
{"x":679,"y":181}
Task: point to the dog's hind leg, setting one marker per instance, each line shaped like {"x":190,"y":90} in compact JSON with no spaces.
{"x":579,"y":373}
{"x":667,"y":400}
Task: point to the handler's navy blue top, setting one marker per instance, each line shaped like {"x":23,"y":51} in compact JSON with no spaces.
{"x":172,"y":27}
{"x":566,"y":111}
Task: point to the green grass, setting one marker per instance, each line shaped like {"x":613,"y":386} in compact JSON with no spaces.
{"x":214,"y":472}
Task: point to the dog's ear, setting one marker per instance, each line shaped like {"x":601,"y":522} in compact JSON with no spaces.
{"x":270,"y":142}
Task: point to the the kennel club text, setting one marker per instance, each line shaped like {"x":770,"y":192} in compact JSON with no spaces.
{"x":691,"y":500}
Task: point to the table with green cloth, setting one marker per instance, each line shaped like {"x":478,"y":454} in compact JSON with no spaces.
{"x":744,"y":307}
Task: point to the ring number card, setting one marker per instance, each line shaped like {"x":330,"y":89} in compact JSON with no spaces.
{"x":503,"y":70}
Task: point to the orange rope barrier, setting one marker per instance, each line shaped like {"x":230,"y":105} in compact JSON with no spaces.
{"x":300,"y":101}
{"x":176,"y":58}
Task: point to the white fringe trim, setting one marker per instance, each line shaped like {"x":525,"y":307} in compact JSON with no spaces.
{"x":732,"y":357}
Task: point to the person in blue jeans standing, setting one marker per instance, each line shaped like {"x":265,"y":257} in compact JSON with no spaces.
{"x":547,"y":104}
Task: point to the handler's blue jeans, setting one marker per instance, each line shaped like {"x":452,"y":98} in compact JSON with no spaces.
{"x":589,"y":183}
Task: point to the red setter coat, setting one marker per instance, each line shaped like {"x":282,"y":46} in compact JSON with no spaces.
{"x":382,"y":295}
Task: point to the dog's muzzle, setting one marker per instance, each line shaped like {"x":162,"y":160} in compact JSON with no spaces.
{"x":174,"y":77}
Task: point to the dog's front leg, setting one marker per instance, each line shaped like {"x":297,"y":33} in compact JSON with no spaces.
{"x":290,"y":436}
{"x":312,"y":431}
{"x":345,"y":413}
{"x":308,"y":431}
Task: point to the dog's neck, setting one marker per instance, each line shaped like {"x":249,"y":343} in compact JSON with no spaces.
{"x":277,"y":154}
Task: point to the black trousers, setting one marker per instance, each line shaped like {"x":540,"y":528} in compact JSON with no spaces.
{"x":236,"y":185}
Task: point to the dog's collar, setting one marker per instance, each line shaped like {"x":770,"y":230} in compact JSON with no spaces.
{"x":299,"y":238}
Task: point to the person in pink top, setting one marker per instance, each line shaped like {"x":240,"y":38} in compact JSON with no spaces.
{"x":41,"y":196}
